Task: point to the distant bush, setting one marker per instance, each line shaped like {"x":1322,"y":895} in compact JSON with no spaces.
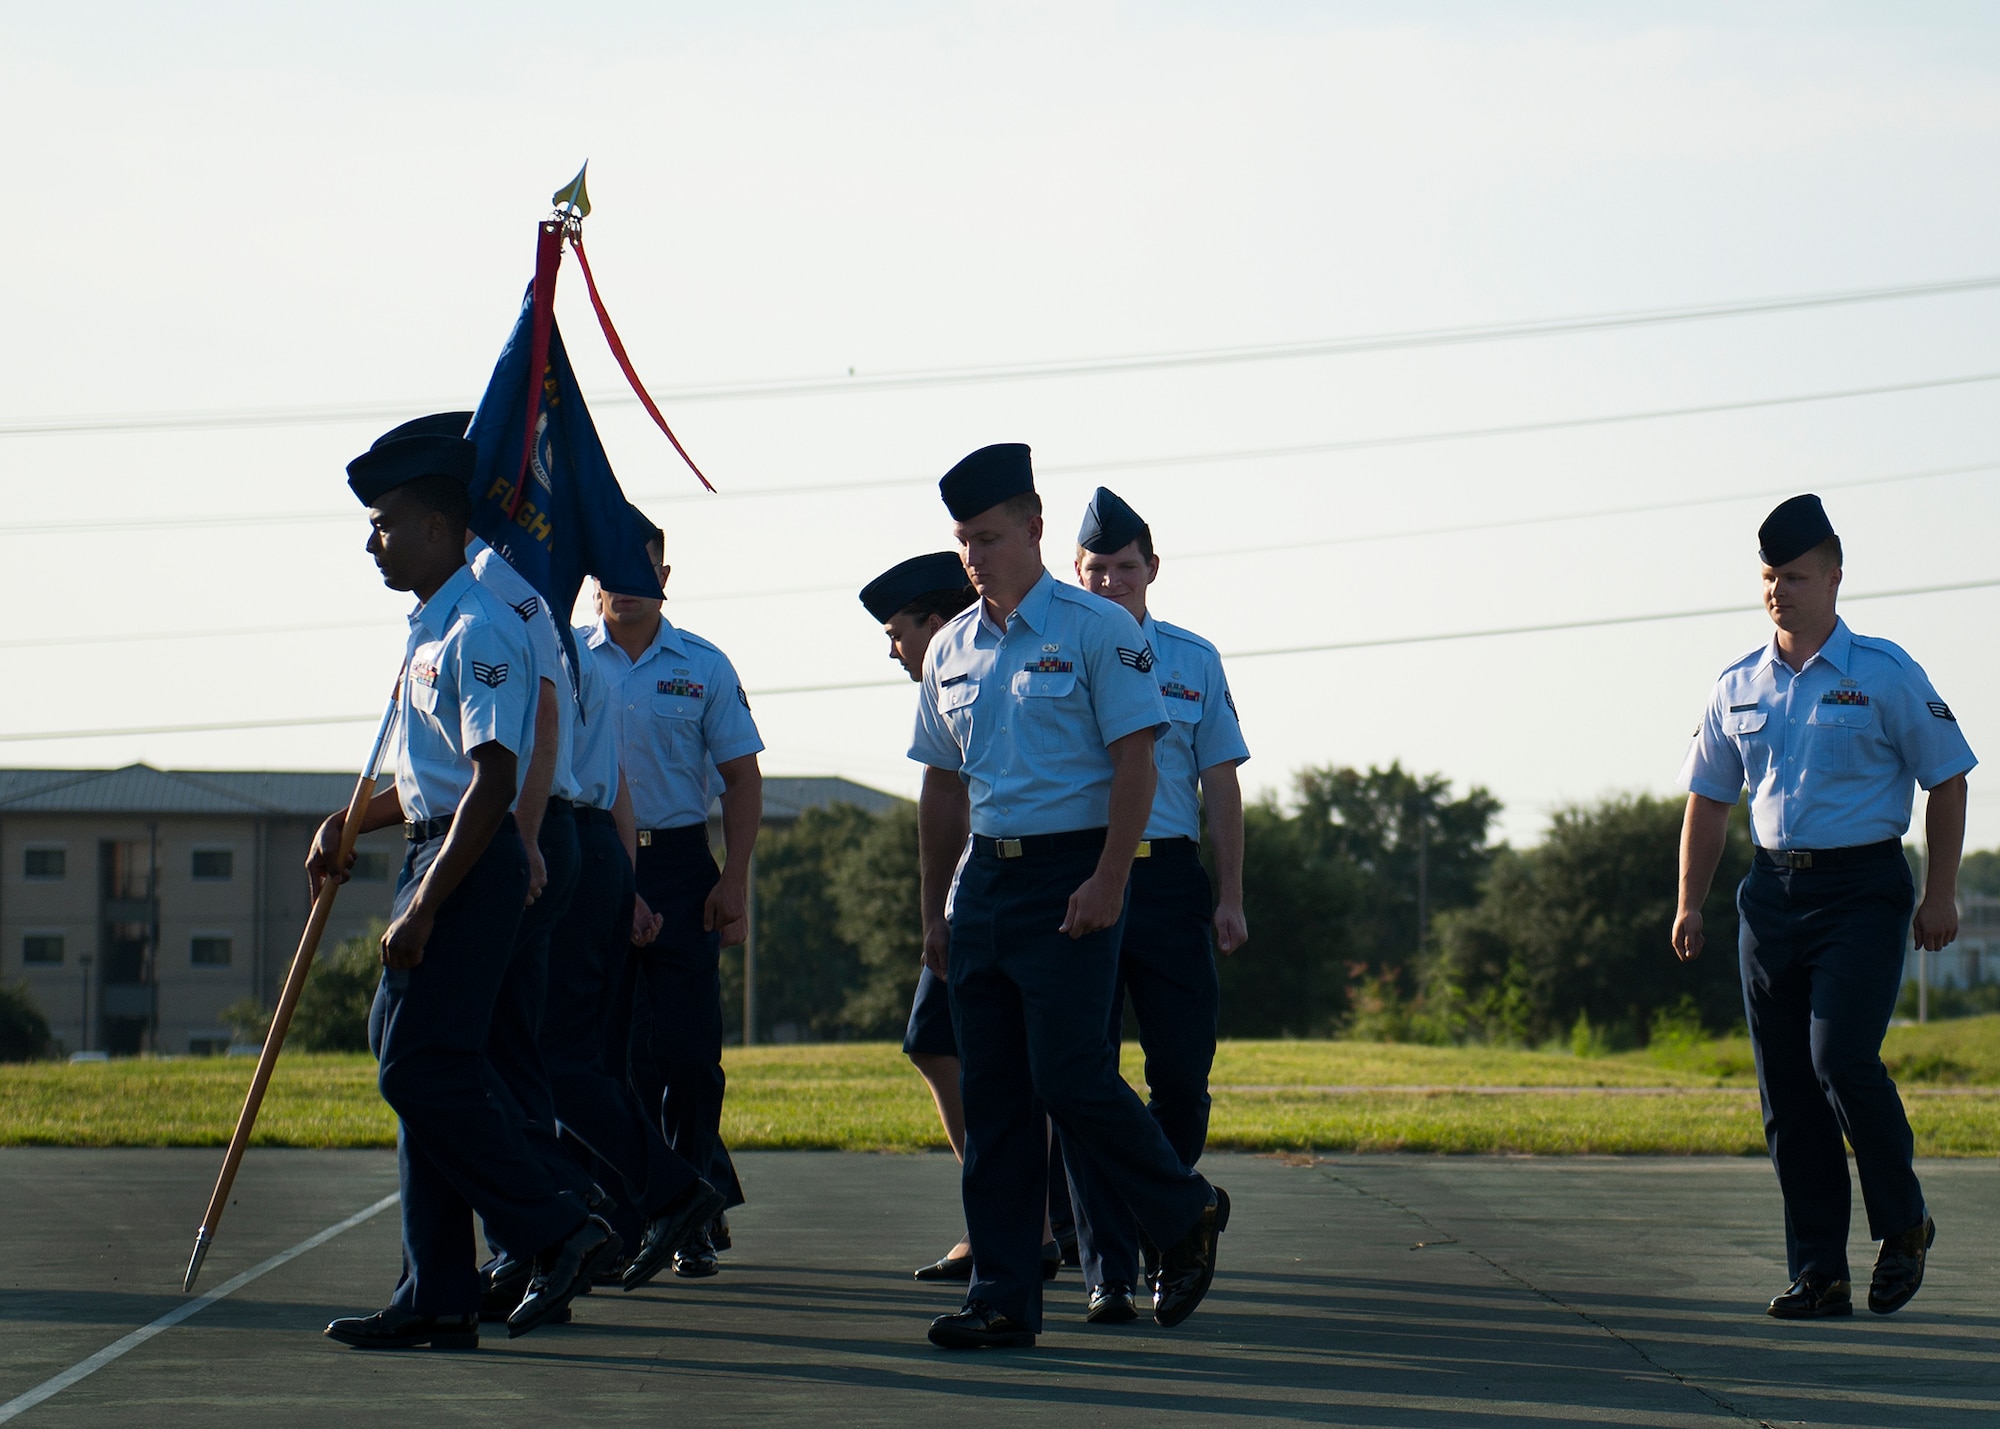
{"x":1948,"y":1002}
{"x":332,"y":1015}
{"x":247,"y":1020}
{"x":24,"y":1032}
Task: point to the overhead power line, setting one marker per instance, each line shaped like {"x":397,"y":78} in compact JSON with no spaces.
{"x":1491,"y":632}
{"x":40,"y":642}
{"x":334,"y":414}
{"x":1167,"y":459}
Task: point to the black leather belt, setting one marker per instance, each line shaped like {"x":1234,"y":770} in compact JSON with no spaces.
{"x":585,"y":816}
{"x":560,"y":805}
{"x":1161,"y":848}
{"x":1829,"y":857}
{"x":666,"y":838}
{"x":423,"y":830}
{"x":1039,"y":845}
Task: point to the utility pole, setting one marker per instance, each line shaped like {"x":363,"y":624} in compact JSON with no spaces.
{"x":750,"y":957}
{"x":83,"y":1033}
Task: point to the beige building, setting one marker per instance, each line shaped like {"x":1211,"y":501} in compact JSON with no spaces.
{"x":137,"y":903}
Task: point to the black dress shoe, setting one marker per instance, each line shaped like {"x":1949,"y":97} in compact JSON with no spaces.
{"x":1111,"y":1305}
{"x":561,"y":1273}
{"x":677,"y":1226}
{"x":951,"y":1267}
{"x":718,"y":1234}
{"x":979,"y":1327}
{"x":1813,"y":1297}
{"x":1188,"y":1269}
{"x":1052,"y":1261}
{"x":1899,"y":1268}
{"x":394,"y":1329}
{"x":696,"y":1260}
{"x":1072,"y":1255}
{"x":502,"y":1284}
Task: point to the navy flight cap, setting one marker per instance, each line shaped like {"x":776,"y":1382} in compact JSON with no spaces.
{"x":428,"y":446}
{"x":1794,"y":528}
{"x":988,"y":477}
{"x":1109,"y":524}
{"x":903,"y":583}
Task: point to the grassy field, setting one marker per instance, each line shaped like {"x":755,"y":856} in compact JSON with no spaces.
{"x":1269,"y":1096}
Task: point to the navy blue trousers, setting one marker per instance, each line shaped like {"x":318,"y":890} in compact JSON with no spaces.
{"x":459,"y":1150}
{"x":587,"y":957}
{"x":1822,"y":958}
{"x":672,"y":1002}
{"x":1167,"y":963}
{"x":1030,"y":1007}
{"x":515,"y":1044}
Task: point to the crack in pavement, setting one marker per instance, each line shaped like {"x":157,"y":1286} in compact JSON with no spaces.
{"x":1445,"y":1237}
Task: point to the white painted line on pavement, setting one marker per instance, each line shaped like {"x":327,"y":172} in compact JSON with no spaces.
{"x":48,"y":1388}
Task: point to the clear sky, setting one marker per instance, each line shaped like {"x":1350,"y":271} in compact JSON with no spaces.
{"x":231,"y":207}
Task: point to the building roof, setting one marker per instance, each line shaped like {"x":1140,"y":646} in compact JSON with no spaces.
{"x":142,"y":789}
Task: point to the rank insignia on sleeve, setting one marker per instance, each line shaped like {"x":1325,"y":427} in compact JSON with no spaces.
{"x":1843,"y":697}
{"x":1230,"y":700}
{"x":678,"y":688}
{"x":741,"y":698}
{"x":1941,"y":710}
{"x":1175,"y":690}
{"x":529,"y":608}
{"x":491,"y":676}
{"x":1140,"y":660}
{"x":1049,"y":665}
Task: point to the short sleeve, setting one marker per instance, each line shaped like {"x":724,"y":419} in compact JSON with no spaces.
{"x":727,"y":725}
{"x":1714,"y":765}
{"x":496,"y":680}
{"x":1124,"y":692}
{"x":931,"y":742}
{"x":1924,"y":730}
{"x":547,"y":647}
{"x":1218,"y":739}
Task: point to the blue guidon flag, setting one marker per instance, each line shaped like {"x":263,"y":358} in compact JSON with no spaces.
{"x":564,"y":517}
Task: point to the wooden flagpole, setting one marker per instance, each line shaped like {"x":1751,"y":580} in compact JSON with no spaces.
{"x":295,"y":982}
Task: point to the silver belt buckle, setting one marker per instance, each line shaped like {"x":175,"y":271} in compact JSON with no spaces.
{"x":645,"y":838}
{"x":1007,"y":848}
{"x":1797,"y":858}
{"x":1145,"y":849}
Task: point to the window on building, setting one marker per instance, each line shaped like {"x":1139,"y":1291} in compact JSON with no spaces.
{"x":51,"y":863}
{"x":214,"y":865}
{"x":43,"y":948}
{"x":210,"y":950}
{"x":371,"y":868}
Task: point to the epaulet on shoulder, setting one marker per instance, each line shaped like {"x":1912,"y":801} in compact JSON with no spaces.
{"x":1744,"y":661}
{"x":1886,"y":647}
{"x":1181,"y":632}
{"x":701,"y":640}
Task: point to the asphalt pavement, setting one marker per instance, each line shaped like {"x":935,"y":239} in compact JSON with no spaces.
{"x":1377,"y":1290}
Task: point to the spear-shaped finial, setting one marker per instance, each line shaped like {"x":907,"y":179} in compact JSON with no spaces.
{"x":571,"y":198}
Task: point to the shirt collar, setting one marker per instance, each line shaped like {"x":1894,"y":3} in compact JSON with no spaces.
{"x":1837,"y":652}
{"x":1034,"y":606}
{"x":435,"y":614}
{"x":665,"y":638}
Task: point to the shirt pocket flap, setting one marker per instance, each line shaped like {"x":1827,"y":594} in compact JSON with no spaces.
{"x":1843,"y":716}
{"x":957,"y":696}
{"x":1044,"y":684}
{"x":677,"y":706}
{"x":1744,"y":721}
{"x":1184,"y":711}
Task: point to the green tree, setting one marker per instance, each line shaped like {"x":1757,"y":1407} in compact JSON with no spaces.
{"x":1290,"y":979}
{"x":332,"y":1015}
{"x":806,"y":969}
{"x":24,"y":1032}
{"x":876,"y":888}
{"x":1575,"y":932}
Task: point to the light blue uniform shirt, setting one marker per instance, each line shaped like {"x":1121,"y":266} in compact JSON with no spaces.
{"x":467,"y":681}
{"x":593,"y":759}
{"x":1024,"y":715}
{"x":1202,"y":730}
{"x":679,"y":711}
{"x":491,"y":570}
{"x":1831,"y":754}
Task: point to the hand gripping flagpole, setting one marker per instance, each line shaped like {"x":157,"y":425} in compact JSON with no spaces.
{"x":295,"y":981}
